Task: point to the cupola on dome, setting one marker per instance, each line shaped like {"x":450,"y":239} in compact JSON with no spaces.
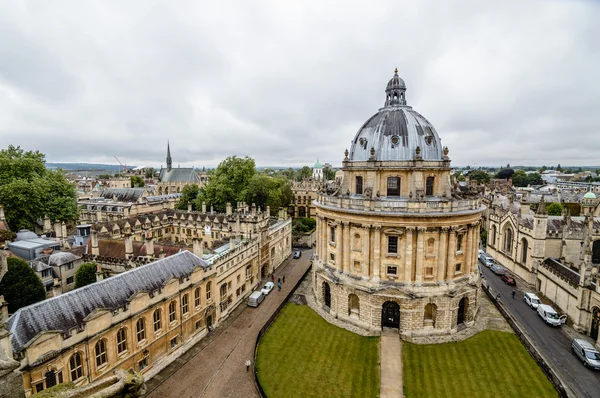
{"x":396,"y":132}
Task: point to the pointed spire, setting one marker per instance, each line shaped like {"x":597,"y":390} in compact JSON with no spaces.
{"x":541,"y":207}
{"x":169,"y":160}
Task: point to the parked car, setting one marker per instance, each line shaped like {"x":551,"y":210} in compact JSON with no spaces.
{"x":550,"y":316}
{"x":485,"y":258}
{"x":497,"y":269}
{"x":297,"y":254}
{"x":256,"y":298}
{"x":509,"y":280}
{"x":532,"y":300}
{"x":267,"y":288}
{"x":586,"y":353}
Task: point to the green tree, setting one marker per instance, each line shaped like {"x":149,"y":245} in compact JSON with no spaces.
{"x":505,"y":174}
{"x":189,"y":193}
{"x":149,"y":173}
{"x":520,"y":178}
{"x":480,"y":176}
{"x":558,"y":168}
{"x":228,"y":184}
{"x":85,"y":275}
{"x":554,"y":209}
{"x":20,"y":286}
{"x":275,"y":192}
{"x":29,"y":191}
{"x":535,"y":179}
{"x":328,"y":173}
{"x":104,"y":176}
{"x":137,"y":181}
{"x":304,"y":172}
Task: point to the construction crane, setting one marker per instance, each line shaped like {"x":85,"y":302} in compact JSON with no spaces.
{"x":122,"y":165}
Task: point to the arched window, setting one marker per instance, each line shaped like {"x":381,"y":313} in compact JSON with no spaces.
{"x":156,"y":317}
{"x":493,"y":236}
{"x":197,"y":297}
{"x":524,"y":248}
{"x":508,"y":238}
{"x":223,"y":290}
{"x":100,"y":351}
{"x":430,"y":312}
{"x":140,"y":329}
{"x":353,"y":306}
{"x":208,"y":291}
{"x":185,"y":304}
{"x":359,"y":185}
{"x":172,"y":312}
{"x":121,"y":340}
{"x":393,"y":186}
{"x":429,"y":186}
{"x":75,"y":367}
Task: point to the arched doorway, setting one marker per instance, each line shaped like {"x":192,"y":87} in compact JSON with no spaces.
{"x":327,"y":294}
{"x":390,"y":315}
{"x":264,"y":271}
{"x":353,"y":306}
{"x":429,"y":318}
{"x":462,"y":310}
{"x":209,"y":321}
{"x":595,"y":323}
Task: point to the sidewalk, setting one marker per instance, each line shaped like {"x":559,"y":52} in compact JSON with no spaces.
{"x":391,"y":364}
{"x":215,"y":367}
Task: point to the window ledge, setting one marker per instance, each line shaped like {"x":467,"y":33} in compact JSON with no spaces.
{"x":102,"y":367}
{"x":142,"y":342}
{"x":392,"y":255}
{"x":158,"y":332}
{"x":122,"y":355}
{"x":332,"y":244}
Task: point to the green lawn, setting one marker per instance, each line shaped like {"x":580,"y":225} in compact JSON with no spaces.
{"x":489,"y":364}
{"x":302,"y":355}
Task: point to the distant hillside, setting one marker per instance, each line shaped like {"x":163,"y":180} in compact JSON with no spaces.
{"x":86,"y":166}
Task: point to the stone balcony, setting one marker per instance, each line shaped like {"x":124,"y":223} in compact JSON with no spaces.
{"x":426,"y":205}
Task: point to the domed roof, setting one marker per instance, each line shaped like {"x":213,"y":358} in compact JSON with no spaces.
{"x":396,"y":131}
{"x":317,"y":165}
{"x":589,"y":195}
{"x":25,"y":234}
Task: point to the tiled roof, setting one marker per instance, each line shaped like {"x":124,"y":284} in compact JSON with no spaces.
{"x":67,"y":311}
{"x":116,"y":248}
{"x":123,"y":194}
{"x":57,"y":258}
{"x":185,"y":174}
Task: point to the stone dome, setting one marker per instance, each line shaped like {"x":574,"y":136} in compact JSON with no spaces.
{"x":25,"y":234}
{"x":396,"y":131}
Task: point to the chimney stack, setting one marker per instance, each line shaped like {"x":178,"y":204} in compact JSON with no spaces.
{"x":128,"y":246}
{"x":47,"y":224}
{"x":189,"y":207}
{"x":228,"y":211}
{"x":203,"y":207}
{"x":198,"y":246}
{"x":95,"y":250}
{"x":149,"y":245}
{"x":99,"y":274}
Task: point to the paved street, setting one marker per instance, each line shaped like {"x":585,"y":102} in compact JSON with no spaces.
{"x":215,"y":366}
{"x":553,"y":342}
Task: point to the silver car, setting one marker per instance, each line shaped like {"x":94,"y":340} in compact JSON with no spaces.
{"x":586,"y":353}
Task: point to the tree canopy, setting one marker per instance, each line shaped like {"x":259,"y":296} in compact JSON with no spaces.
{"x":304,"y":172}
{"x":521,"y":179}
{"x":85,"y":275}
{"x":20,"y":286}
{"x":480,"y":176}
{"x":554,"y":209}
{"x":505,"y":174}
{"x":29,"y":191}
{"x":269,"y":191}
{"x":137,"y":182}
{"x":189,"y":193}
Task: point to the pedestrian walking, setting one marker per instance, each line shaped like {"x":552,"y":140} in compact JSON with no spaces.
{"x":278,"y":281}
{"x":279,"y":286}
{"x":247,"y":365}
{"x":513,"y":293}
{"x":284,"y":279}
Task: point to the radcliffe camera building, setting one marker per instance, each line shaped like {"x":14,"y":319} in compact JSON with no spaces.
{"x":397,"y":243}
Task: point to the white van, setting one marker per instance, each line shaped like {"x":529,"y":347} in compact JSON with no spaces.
{"x":532,"y":300}
{"x":586,"y":353}
{"x":255,"y":299}
{"x":550,"y":316}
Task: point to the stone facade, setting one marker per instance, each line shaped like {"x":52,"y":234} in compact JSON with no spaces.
{"x":305,"y":193}
{"x":396,"y":242}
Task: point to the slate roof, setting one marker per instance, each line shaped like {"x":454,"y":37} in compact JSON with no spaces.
{"x":113,"y":248}
{"x":25,"y":234}
{"x":57,"y":258}
{"x":67,"y":311}
{"x":123,"y":194}
{"x":179,"y":174}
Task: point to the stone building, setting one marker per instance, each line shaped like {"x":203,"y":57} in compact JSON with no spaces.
{"x":397,"y":243}
{"x":558,"y":255}
{"x":172,"y":180}
{"x":305,"y":193}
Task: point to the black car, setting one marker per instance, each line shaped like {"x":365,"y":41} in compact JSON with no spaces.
{"x":297,"y":254}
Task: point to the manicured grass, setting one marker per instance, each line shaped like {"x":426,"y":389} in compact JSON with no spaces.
{"x":302,"y":355}
{"x":489,"y":364}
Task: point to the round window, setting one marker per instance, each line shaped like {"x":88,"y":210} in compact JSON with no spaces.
{"x":395,"y":140}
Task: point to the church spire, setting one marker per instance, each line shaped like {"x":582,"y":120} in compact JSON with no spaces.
{"x":169,"y":160}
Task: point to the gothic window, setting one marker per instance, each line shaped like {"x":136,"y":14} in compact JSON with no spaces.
{"x":172,"y":312}
{"x":393,"y":186}
{"x":185,"y":307}
{"x":121,"y":340}
{"x":429,"y":186}
{"x":156,"y":317}
{"x":75,"y":367}
{"x":140,"y":329}
{"x":100,"y":351}
{"x":197,"y":297}
{"x":524,"y":251}
{"x":392,"y":245}
{"x":508,"y":237}
{"x":359,"y":185}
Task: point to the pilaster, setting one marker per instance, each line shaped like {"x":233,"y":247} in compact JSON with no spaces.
{"x":345,"y":242}
{"x":441,"y":260}
{"x":419,"y":260}
{"x":451,"y":254}
{"x":376,"y":252}
{"x":408,"y":262}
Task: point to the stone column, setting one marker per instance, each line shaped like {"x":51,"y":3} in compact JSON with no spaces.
{"x":198,"y":246}
{"x":339,"y":231}
{"x":419,"y":259}
{"x":346,"y":248}
{"x":467,"y":252}
{"x":441,"y":260}
{"x":365,"y":273}
{"x":376,"y":252}
{"x":451,"y":254}
{"x":476,"y":238}
{"x":149,"y":244}
{"x":408,"y":262}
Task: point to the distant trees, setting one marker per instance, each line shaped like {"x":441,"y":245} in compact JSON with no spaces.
{"x":304,"y":172}
{"x":20,"y":286}
{"x":137,"y":182}
{"x":554,"y":209}
{"x":149,"y":173}
{"x":189,"y":193}
{"x":104,"y":176}
{"x":29,"y":191}
{"x":480,"y":176}
{"x":505,"y":174}
{"x":521,"y":179}
{"x":85,"y":275}
{"x":328,"y":173}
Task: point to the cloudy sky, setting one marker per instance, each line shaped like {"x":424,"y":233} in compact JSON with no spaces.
{"x":287,"y":82}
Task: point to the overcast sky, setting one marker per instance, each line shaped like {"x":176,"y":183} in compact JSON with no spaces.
{"x":287,"y":82}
